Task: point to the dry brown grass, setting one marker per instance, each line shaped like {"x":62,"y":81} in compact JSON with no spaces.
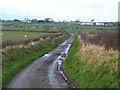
{"x":98,"y":55}
{"x":92,"y":66}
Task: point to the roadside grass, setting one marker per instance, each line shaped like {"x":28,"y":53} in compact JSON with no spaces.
{"x":15,"y":60}
{"x":92,"y":66}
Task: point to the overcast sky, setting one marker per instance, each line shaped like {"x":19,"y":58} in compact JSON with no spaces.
{"x":85,"y":10}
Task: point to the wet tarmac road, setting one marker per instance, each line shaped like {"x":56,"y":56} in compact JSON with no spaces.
{"x":46,"y":72}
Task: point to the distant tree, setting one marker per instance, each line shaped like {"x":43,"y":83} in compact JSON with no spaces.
{"x":34,"y":21}
{"x":16,"y":20}
{"x":77,"y":20}
{"x":40,"y":21}
{"x":48,"y":20}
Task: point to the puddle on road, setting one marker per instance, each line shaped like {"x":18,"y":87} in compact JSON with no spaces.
{"x":57,"y":65}
{"x":47,"y":55}
{"x":52,"y":77}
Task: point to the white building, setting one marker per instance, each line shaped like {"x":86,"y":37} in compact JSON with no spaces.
{"x":26,"y":20}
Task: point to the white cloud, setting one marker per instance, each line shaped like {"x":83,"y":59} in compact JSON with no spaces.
{"x":101,"y":10}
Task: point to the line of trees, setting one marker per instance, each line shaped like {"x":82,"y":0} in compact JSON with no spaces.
{"x":27,"y":20}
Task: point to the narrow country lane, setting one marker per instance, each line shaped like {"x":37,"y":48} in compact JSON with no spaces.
{"x":46,"y":71}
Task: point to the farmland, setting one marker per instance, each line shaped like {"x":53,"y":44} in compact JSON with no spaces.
{"x":88,"y":63}
{"x":21,"y":35}
{"x":24,"y":38}
{"x":69,"y":27}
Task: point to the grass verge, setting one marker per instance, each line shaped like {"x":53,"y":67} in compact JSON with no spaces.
{"x":92,"y":66}
{"x":15,"y":60}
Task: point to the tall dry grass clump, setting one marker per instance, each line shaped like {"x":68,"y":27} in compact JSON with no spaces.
{"x":107,"y":39}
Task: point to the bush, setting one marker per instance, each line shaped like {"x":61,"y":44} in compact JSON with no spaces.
{"x":106,"y":39}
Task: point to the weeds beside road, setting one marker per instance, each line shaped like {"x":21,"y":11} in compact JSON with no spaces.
{"x":16,"y":59}
{"x":91,"y":66}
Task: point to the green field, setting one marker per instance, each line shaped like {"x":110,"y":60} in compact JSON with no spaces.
{"x":21,"y":35}
{"x":69,"y":27}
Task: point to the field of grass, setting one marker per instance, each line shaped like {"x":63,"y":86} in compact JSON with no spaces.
{"x":21,"y":35}
{"x":16,"y":59}
{"x":92,"y":66}
{"x":10,"y":38}
{"x":19,"y":28}
{"x":69,"y":27}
